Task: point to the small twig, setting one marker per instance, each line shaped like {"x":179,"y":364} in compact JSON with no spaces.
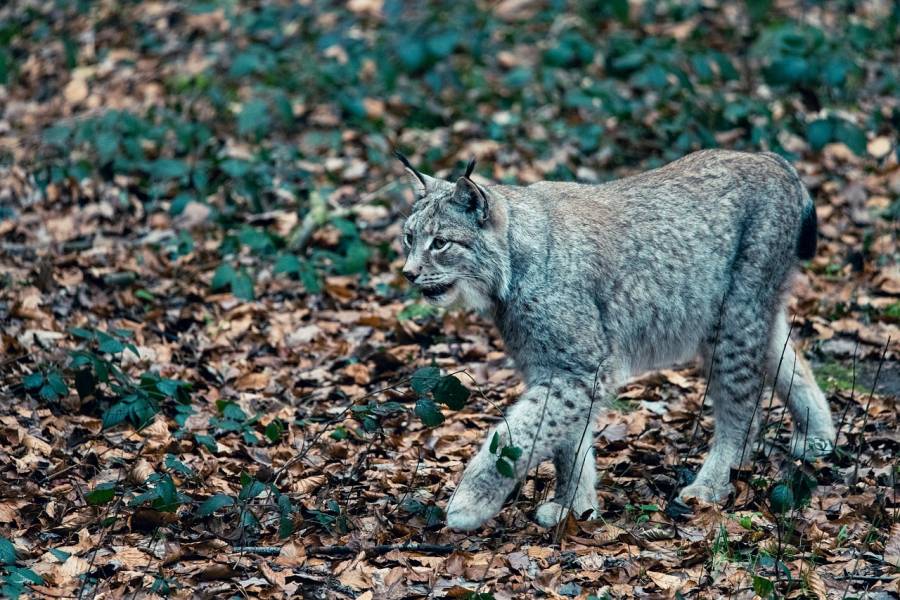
{"x":261,"y":550}
{"x":372,"y":551}
{"x":840,"y":426}
{"x":862,"y":431}
{"x":587,"y":425}
{"x":874,"y":578}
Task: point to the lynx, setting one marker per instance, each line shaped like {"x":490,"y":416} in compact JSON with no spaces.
{"x":590,"y":285}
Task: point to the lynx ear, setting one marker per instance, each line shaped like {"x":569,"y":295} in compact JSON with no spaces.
{"x":469,"y":197}
{"x":422,"y":184}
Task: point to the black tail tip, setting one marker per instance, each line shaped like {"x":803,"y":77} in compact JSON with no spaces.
{"x":806,"y":243}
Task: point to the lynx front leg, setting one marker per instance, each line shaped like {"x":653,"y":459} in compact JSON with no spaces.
{"x":576,"y":477}
{"x":483,"y":489}
{"x":573,"y":457}
{"x":539,"y":423}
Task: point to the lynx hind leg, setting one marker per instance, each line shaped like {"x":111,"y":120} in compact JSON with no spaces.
{"x":735,"y":383}
{"x":814,"y":434}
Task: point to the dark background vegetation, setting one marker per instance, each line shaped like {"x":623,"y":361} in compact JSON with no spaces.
{"x":207,"y":350}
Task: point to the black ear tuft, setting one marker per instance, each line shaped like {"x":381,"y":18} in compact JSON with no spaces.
{"x":403,"y":159}
{"x":412,"y":170}
{"x":470,"y":168}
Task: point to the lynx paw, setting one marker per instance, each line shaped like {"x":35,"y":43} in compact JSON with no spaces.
{"x":466,"y":518}
{"x":551,"y":513}
{"x":479,"y":497}
{"x":811,"y":447}
{"x":707,"y":493}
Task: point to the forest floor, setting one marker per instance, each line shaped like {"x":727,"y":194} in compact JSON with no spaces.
{"x":207,"y":346}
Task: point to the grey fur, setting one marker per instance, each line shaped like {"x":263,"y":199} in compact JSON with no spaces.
{"x":631,"y":275}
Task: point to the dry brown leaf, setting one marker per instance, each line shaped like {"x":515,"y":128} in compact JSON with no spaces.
{"x":308,"y":484}
{"x":252,"y":381}
{"x":76,"y":91}
{"x":140,"y":472}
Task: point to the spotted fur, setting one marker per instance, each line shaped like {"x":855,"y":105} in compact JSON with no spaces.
{"x":590,"y":285}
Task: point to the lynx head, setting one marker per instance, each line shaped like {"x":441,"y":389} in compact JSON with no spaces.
{"x":456,"y":241}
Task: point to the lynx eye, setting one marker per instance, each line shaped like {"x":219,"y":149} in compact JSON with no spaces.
{"x":439,"y":244}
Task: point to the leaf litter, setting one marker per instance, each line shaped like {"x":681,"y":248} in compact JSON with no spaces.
{"x":217,"y":383}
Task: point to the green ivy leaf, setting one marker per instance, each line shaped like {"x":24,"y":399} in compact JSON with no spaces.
{"x":505,"y":468}
{"x":176,"y":465}
{"x":33,"y":381}
{"x":168,"y":168}
{"x":7,"y":552}
{"x":109,"y":344}
{"x":48,"y":393}
{"x":495,"y":443}
{"x":763,"y":587}
{"x":274,"y":430}
{"x":60,"y":555}
{"x":819,"y":133}
{"x":21,"y":574}
{"x":214,"y":503}
{"x":441,"y":45}
{"x":451,"y":392}
{"x":223,"y":277}
{"x":168,"y":499}
{"x":117,"y":413}
{"x":250,"y":487}
{"x":788,"y":70}
{"x":285,"y":516}
{"x":101,"y":494}
{"x":55,"y":380}
{"x":207,"y":441}
{"x":286,"y":263}
{"x":424,"y":379}
{"x":429,"y":412}
{"x":781,"y":498}
{"x":242,"y":286}
{"x":254,"y":118}
{"x":79,"y":332}
{"x":851,"y":135}
{"x":513,"y":453}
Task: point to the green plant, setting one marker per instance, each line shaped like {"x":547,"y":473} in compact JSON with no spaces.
{"x":162,"y":494}
{"x":433,"y":388}
{"x":507,"y":456}
{"x":642,"y":512}
{"x":94,"y":368}
{"x":14,"y":580}
{"x":48,"y":384}
{"x":834,"y":375}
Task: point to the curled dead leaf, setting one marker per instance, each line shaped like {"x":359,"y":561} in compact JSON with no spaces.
{"x":76,"y":91}
{"x":252,"y":381}
{"x":36,"y":444}
{"x":308,"y":484}
{"x":140,"y":472}
{"x":73,"y":567}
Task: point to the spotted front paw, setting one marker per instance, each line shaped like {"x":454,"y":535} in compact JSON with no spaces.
{"x":479,"y":496}
{"x":714,"y":494}
{"x":552,"y":513}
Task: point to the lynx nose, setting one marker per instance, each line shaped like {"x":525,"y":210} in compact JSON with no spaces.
{"x":410,"y":275}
